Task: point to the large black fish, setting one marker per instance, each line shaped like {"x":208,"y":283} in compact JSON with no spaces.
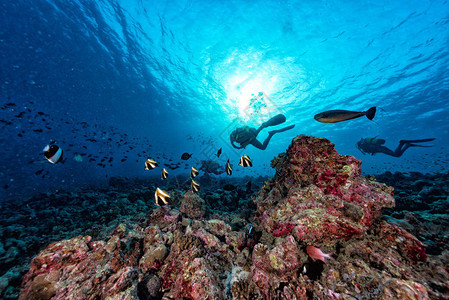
{"x":334,"y":116}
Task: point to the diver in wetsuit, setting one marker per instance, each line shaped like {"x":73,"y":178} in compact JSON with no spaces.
{"x":248,"y":135}
{"x":375,"y":145}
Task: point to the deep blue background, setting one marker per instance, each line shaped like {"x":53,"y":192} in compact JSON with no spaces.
{"x":165,"y":77}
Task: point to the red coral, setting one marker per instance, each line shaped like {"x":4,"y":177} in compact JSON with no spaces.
{"x":282,"y":229}
{"x":314,"y":182}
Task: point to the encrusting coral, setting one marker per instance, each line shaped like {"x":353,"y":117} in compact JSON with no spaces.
{"x":317,"y":206}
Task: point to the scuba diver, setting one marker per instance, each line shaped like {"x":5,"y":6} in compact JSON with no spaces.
{"x":375,"y":145}
{"x":248,"y":135}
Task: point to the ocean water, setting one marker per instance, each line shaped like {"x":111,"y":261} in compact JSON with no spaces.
{"x":131,"y":80}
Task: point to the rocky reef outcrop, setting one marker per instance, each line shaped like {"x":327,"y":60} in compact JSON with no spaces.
{"x":318,"y":195}
{"x":317,"y":233}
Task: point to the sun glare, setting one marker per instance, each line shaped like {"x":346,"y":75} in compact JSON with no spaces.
{"x":250,"y":95}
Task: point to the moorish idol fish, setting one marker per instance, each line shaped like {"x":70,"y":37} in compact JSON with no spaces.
{"x":228,"y":168}
{"x":161,"y":195}
{"x":245,"y":161}
{"x":53,"y":153}
{"x":164,"y":174}
{"x":195,"y":186}
{"x":150,"y":164}
{"x":334,"y":116}
{"x":193,"y":172}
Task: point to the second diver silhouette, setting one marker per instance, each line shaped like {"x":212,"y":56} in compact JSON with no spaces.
{"x":375,"y":145}
{"x":248,"y":135}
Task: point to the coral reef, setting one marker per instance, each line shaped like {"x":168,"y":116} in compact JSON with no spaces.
{"x":422,"y":207}
{"x":318,"y":195}
{"x":192,"y":205}
{"x":317,"y":198}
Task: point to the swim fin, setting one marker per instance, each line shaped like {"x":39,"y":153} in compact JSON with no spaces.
{"x":276,"y":120}
{"x":416,"y":141}
{"x":281,"y":130}
{"x":416,"y":145}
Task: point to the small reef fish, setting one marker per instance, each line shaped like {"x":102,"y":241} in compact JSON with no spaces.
{"x":219,"y":152}
{"x":150,"y":164}
{"x":195,"y":186}
{"x":186,"y":156}
{"x":193,"y":172}
{"x":164,"y":174}
{"x":334,"y":116}
{"x":228,"y":168}
{"x":161,"y":195}
{"x":245,"y":161}
{"x":53,"y":153}
{"x":316,"y":253}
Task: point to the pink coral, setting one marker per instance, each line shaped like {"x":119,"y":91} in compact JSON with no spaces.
{"x":318,"y":195}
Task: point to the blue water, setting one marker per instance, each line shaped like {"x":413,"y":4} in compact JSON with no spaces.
{"x":167,"y":77}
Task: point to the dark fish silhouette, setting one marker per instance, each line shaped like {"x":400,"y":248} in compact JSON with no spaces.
{"x":186,"y":156}
{"x":334,"y":116}
{"x":219,"y":152}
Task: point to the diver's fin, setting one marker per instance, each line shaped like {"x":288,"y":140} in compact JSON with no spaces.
{"x":276,"y":120}
{"x":416,"y":141}
{"x":370,"y":113}
{"x":416,"y":145}
{"x":281,"y":130}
